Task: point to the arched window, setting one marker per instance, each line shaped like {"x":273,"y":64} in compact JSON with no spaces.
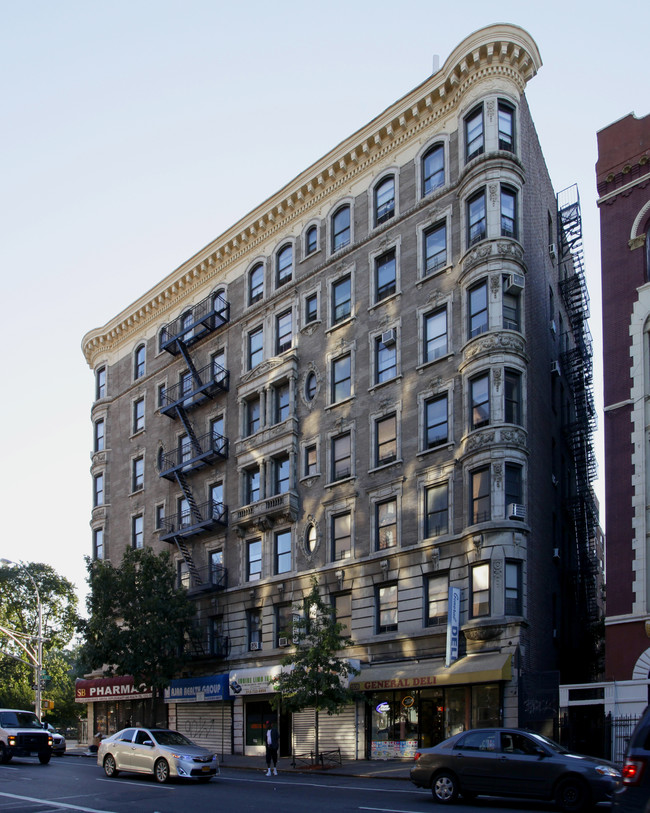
{"x":340,"y":227}
{"x":385,"y":200}
{"x":255,"y":284}
{"x":139,"y":362}
{"x":311,"y":240}
{"x":433,"y":169}
{"x":647,"y":265}
{"x":284,"y":265}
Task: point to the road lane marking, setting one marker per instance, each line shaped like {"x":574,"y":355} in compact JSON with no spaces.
{"x":120,"y":782}
{"x":63,"y":805}
{"x":265,"y":781}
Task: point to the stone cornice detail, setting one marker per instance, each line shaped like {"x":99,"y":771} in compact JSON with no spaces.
{"x":503,"y":51}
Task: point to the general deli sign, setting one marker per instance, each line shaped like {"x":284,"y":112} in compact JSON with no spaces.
{"x":114,"y":688}
{"x":393,"y":683}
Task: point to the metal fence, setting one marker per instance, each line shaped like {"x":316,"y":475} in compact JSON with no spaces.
{"x":601,"y":736}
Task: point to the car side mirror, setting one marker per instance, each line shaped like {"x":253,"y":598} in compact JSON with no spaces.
{"x":540,"y":751}
{"x":148,"y":742}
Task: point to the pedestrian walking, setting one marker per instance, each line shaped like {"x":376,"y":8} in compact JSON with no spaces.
{"x":271,"y":741}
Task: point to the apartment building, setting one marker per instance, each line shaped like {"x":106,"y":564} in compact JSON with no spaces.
{"x":381,"y":376}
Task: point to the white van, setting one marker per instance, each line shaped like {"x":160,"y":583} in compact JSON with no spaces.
{"x":21,"y":735}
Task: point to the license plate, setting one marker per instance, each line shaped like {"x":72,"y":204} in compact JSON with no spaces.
{"x":205,"y":768}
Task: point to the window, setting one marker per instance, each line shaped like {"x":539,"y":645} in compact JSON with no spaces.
{"x":256,"y":284}
{"x":341,"y":457}
{"x":98,"y":543}
{"x":385,"y":275}
{"x":99,"y":439}
{"x":311,"y":240}
{"x":342,"y":606}
{"x":219,"y":442}
{"x":384,"y":200}
{"x":184,"y":449}
{"x":436,"y":510}
{"x":480,"y":495}
{"x":386,"y":599}
{"x":219,"y":372}
{"x":255,"y":347}
{"x":474,"y":143}
{"x":252,"y":409}
{"x":187,"y":326}
{"x":284,"y":265}
{"x":511,"y":299}
{"x":281,"y":475}
{"x":311,"y":460}
{"x":186,"y":386}
{"x":281,"y":402}
{"x":386,"y":524}
{"x":139,"y":362}
{"x":385,"y":357}
{"x":311,"y":308}
{"x":137,"y":483}
{"x":479,"y":396}
{"x":137,"y":531}
{"x":311,"y":538}
{"x":254,"y":619}
{"x":341,"y":537}
{"x":434,"y":335}
{"x":183,"y":512}
{"x":507,"y":128}
{"x":282,"y":552}
{"x":513,"y":603}
{"x":100,"y":383}
{"x":283,"y":332}
{"x":341,"y":300}
{"x":478,"y":310}
{"x":436,"y":421}
{"x":216,"y":499}
{"x":437,"y":599}
{"x":385,"y":440}
{"x":252,"y":484}
{"x":513,"y":486}
{"x":476,"y":219}
{"x":283,"y":624}
{"x":162,"y":398}
{"x":435,"y":248}
{"x":160,"y":516}
{"x":512,"y":390}
{"x":341,"y":378}
{"x":254,"y":560}
{"x":433,"y":169}
{"x":217,"y":641}
{"x":98,"y":490}
{"x":508,"y":212}
{"x":217,"y":570}
{"x":182,"y":575}
{"x":311,"y":386}
{"x":138,"y":415}
{"x":480,"y":590}
{"x":341,"y":228}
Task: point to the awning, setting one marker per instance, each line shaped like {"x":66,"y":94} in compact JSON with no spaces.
{"x":480,"y":668}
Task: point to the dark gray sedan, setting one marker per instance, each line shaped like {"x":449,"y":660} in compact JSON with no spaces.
{"x":510,"y":762}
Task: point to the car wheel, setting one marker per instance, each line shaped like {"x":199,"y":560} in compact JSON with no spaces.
{"x":5,"y":756}
{"x":572,"y":795}
{"x":110,"y":768}
{"x":44,"y":757}
{"x":444,"y":788}
{"x":161,"y":771}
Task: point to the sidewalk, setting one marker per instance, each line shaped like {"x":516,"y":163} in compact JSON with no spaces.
{"x":379,"y":769}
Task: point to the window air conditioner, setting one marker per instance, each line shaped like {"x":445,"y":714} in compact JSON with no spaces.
{"x":555,"y":368}
{"x":552,"y":250}
{"x":516,"y":511}
{"x":515,"y":283}
{"x":389,"y":336}
{"x":255,"y":645}
{"x":283,"y":642}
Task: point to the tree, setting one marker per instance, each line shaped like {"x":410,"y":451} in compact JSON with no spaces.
{"x":19,"y":619}
{"x":318,"y":678}
{"x":137,"y":618}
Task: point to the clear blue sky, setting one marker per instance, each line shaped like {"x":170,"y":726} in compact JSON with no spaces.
{"x":135,"y":132}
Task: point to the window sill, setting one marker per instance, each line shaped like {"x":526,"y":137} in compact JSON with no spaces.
{"x":384,"y":383}
{"x":383,"y":466}
{"x":347,"y":321}
{"x":343,"y":401}
{"x":423,"y":277}
{"x":343,"y":480}
{"x":390,"y":298}
{"x":420,"y":368}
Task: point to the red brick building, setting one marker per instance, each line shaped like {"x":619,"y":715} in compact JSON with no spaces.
{"x":623,"y":178}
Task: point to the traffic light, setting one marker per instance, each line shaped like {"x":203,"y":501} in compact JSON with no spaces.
{"x":47,"y":705}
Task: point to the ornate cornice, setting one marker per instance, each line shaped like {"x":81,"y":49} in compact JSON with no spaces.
{"x":506,"y":52}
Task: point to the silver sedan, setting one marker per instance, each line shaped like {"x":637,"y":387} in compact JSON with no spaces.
{"x":156,"y":751}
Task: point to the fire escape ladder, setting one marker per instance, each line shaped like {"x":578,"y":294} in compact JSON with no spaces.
{"x":189,"y":429}
{"x":181,"y":479}
{"x":189,"y":561}
{"x":188,"y":360}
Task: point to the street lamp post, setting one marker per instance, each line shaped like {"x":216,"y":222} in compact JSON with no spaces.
{"x":38,"y":665}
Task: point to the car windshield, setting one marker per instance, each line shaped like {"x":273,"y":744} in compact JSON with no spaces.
{"x":554,"y":746}
{"x":170,"y":738}
{"x":19,"y":719}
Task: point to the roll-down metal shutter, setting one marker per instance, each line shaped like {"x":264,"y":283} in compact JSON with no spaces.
{"x":206,"y":724}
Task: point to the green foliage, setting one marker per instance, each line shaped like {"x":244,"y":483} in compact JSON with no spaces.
{"x":319,"y":675}
{"x":19,"y":614}
{"x":137,"y":618}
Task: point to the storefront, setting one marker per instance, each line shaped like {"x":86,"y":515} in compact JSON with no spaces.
{"x":114,"y":703}
{"x":201,"y":708}
{"x":417,"y":704}
{"x":253,"y":690}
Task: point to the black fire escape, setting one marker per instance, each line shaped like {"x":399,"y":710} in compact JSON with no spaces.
{"x":577,"y":367}
{"x":196,"y":386}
